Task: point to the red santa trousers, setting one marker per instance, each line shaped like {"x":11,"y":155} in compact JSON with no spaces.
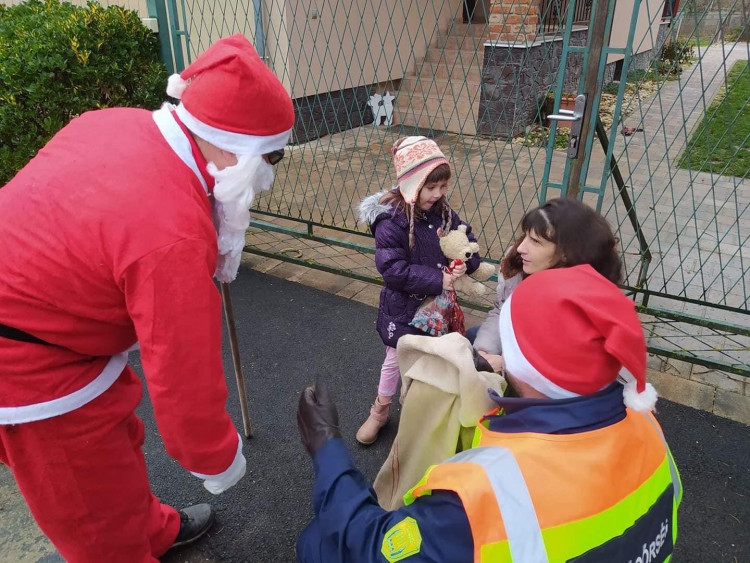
{"x":83,"y":476}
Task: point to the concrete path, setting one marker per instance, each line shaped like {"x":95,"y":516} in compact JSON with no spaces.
{"x":291,"y":333}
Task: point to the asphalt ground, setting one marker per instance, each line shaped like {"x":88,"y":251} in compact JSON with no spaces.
{"x":289,"y":335}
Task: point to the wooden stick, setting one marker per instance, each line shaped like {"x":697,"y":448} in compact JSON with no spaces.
{"x":232,"y":331}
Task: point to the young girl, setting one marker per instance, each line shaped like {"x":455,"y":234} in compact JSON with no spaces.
{"x":406,"y":222}
{"x":560,"y":233}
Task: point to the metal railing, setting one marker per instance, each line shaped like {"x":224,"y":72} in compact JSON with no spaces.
{"x":552,"y":14}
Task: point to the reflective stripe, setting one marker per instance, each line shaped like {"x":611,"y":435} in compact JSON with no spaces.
{"x":71,"y":402}
{"x":177,"y":140}
{"x":676,"y":483}
{"x":513,"y":500}
{"x":574,"y":538}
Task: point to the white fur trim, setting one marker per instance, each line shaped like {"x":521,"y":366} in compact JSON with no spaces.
{"x":216,"y":484}
{"x":370,"y":207}
{"x":518,"y":366}
{"x":237,"y":143}
{"x":176,"y":138}
{"x":643,"y":402}
{"x":176,"y":86}
{"x":75,"y":400}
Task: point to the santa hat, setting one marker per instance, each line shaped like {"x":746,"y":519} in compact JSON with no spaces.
{"x":231,"y":99}
{"x":414,"y":159}
{"x":569,"y":331}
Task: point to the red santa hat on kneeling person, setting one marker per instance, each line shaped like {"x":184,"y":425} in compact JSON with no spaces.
{"x":231,"y":99}
{"x":569,"y":331}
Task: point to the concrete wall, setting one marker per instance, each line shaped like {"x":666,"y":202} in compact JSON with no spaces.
{"x":335,"y":46}
{"x":210,"y":20}
{"x":646,"y":30}
{"x":708,"y":25}
{"x":337,"y":58}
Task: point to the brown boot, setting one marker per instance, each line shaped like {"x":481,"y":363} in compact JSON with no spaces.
{"x":368,"y":432}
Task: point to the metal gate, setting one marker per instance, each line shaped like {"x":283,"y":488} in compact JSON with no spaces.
{"x":488,"y":79}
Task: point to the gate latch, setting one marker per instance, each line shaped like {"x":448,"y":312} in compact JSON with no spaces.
{"x":576,"y":119}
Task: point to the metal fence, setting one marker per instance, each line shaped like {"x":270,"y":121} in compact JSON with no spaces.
{"x":668,"y":165}
{"x":553,"y":14}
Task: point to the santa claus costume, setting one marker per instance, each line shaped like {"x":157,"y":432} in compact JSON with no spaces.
{"x":108,"y":238}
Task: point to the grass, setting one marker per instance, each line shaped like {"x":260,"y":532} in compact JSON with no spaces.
{"x":721,"y":143}
{"x":729,"y":37}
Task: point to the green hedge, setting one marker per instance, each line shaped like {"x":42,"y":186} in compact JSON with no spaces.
{"x":58,"y":61}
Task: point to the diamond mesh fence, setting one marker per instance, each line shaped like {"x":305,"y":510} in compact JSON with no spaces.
{"x":480,"y":77}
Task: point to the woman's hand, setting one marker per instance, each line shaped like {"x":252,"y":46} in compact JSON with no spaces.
{"x":496,"y":361}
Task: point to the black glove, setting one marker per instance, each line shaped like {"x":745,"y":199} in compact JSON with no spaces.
{"x":317,"y":418}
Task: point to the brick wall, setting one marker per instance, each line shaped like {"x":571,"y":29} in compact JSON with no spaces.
{"x":513,"y":20}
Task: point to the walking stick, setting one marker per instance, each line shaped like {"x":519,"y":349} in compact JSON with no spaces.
{"x":229,"y":315}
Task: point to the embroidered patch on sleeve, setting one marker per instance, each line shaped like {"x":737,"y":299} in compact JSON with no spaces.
{"x":402,"y":540}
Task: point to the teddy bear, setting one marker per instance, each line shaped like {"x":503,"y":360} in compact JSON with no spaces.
{"x":456,"y":246}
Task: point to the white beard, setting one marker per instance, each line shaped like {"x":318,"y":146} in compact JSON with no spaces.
{"x":234,"y":192}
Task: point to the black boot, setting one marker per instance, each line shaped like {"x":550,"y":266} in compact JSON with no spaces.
{"x":194,"y":522}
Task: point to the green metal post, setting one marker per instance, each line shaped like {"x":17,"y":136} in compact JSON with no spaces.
{"x":156,"y":9}
{"x":597,"y":37}
{"x":566,"y":49}
{"x":179,"y":60}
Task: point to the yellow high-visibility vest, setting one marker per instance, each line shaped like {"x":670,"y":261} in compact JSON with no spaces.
{"x":606,"y":495}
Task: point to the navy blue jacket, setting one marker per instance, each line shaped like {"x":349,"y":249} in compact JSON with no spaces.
{"x":349,"y":525}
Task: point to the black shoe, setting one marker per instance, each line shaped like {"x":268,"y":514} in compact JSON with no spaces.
{"x":195,"y":521}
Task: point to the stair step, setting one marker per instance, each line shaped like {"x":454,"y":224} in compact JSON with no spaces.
{"x":443,"y":94}
{"x":430,"y":86}
{"x":463,"y":42}
{"x":458,"y":57}
{"x":465,"y":124}
{"x":458,"y":71}
{"x":458,"y":116}
{"x":468,"y":29}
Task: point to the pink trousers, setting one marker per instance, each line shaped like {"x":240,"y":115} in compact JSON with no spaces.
{"x":390,"y":375}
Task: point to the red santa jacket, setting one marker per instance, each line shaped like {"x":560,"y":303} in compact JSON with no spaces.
{"x":106,"y":238}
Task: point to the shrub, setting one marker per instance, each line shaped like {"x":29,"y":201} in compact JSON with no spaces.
{"x":735,"y":34}
{"x":611,"y":88}
{"x":58,"y":60}
{"x":677,"y":52}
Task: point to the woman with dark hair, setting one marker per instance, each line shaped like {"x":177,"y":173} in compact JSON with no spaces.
{"x":560,"y":233}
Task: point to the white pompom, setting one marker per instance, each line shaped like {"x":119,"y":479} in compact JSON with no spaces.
{"x":643,"y":402}
{"x":176,"y":86}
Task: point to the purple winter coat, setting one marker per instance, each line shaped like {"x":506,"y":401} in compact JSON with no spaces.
{"x":409,"y":275}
